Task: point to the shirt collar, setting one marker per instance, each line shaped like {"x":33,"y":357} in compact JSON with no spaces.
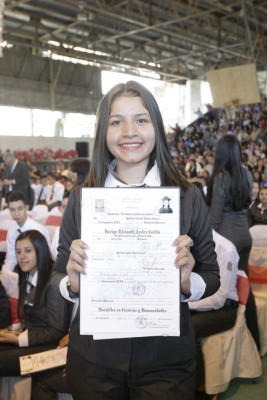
{"x":152,"y":178}
{"x":25,"y":226}
{"x":33,"y":278}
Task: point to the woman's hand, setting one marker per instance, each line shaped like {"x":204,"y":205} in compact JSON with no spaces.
{"x":8,"y":336}
{"x":184,"y":260}
{"x":76,"y":263}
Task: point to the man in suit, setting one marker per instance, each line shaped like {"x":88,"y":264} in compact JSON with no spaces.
{"x":17,"y":177}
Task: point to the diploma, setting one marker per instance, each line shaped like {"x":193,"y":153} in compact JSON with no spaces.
{"x":41,"y":361}
{"x":131,"y":287}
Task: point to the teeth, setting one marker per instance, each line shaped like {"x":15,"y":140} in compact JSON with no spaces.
{"x":130,"y":144}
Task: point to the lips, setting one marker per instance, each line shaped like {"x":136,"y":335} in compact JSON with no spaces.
{"x":130,"y":146}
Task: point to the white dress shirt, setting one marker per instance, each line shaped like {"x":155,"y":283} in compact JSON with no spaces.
{"x":54,"y":243}
{"x":24,"y":337}
{"x":228,"y":258}
{"x":12,"y":234}
{"x":57,"y":193}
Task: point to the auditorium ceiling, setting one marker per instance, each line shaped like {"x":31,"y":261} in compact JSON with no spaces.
{"x":177,"y":40}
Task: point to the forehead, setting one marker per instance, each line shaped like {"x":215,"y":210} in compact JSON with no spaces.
{"x":16,"y":204}
{"x":128,"y":104}
{"x":24,"y":243}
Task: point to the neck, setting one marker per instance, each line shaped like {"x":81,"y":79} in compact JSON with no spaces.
{"x":130,"y":174}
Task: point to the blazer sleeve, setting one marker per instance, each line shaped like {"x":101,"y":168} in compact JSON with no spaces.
{"x":57,"y":317}
{"x":195,"y":222}
{"x":70,"y":230}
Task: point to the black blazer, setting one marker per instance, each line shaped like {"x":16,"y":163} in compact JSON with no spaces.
{"x":146,"y":352}
{"x":48,"y":321}
{"x":5,"y":313}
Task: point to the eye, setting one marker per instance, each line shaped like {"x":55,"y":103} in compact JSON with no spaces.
{"x":18,"y":252}
{"x":115,"y":122}
{"x":141,"y":121}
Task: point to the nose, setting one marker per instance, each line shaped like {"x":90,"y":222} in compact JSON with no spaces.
{"x":129,"y":129}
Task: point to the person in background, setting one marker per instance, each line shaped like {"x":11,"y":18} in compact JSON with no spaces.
{"x":54,"y":244}
{"x":254,"y":194}
{"x":42,"y":190}
{"x":258,"y":212}
{"x":5,"y":312}
{"x":228,"y":197}
{"x":42,"y":310}
{"x":18,"y":210}
{"x":78,"y":171}
{"x":47,"y":384}
{"x":17,"y":177}
{"x":69,"y":185}
{"x":217,"y":313}
{"x":131,"y":150}
{"x":55,"y":197}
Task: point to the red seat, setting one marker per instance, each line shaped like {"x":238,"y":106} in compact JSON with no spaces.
{"x":54,"y":220}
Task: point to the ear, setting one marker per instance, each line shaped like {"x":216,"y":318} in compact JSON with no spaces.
{"x":27,"y":207}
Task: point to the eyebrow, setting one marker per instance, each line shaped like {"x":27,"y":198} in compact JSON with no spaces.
{"x":135,"y":115}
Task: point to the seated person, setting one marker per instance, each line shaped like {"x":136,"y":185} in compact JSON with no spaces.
{"x":55,"y":196}
{"x":218,"y":312}
{"x":47,"y":384}
{"x":54,"y":243}
{"x":258,"y":212}
{"x":18,"y":210}
{"x":254,"y":193}
{"x":42,"y":190}
{"x":5,"y":312}
{"x":220,"y":308}
{"x":42,"y":310}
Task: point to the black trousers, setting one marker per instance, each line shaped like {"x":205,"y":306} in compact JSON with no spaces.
{"x":46,"y":385}
{"x":94,"y":382}
{"x":209,"y":323}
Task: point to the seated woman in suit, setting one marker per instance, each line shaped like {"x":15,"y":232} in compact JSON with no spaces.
{"x":42,"y":309}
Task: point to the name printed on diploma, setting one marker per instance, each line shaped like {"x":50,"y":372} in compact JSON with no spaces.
{"x":132,"y":287}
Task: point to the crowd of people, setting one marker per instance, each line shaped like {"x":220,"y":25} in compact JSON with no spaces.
{"x":219,"y":163}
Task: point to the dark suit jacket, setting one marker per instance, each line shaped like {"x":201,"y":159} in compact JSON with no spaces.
{"x":48,"y":321}
{"x":146,"y":352}
{"x":5,"y":313}
{"x":21,"y":175}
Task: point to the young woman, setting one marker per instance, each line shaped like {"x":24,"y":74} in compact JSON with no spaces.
{"x":42,"y":310}
{"x":229,"y":196}
{"x":258,"y":212}
{"x":131,"y":149}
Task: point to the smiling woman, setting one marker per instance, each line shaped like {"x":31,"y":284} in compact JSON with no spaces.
{"x":131,"y":151}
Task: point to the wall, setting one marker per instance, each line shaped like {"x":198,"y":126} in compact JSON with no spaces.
{"x":25,"y":143}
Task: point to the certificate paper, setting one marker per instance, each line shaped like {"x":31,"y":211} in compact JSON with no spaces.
{"x":42,"y":361}
{"x":131,"y":287}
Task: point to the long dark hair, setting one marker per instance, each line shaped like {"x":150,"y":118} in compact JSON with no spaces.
{"x":81,"y":167}
{"x":44,"y":262}
{"x":228,"y":158}
{"x":102,"y":157}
